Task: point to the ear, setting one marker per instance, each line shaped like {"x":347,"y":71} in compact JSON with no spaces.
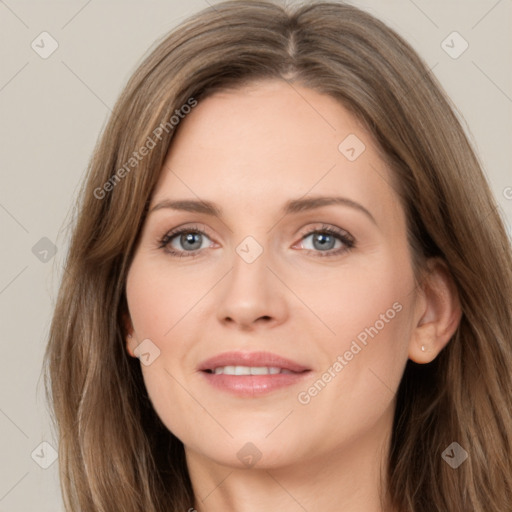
{"x":437,"y":313}
{"x":129,"y":334}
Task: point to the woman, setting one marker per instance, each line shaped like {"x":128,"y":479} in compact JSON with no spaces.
{"x":288,"y":285}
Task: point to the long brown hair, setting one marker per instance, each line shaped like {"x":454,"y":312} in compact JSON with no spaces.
{"x":115,"y":453}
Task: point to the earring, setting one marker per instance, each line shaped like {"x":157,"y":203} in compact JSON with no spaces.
{"x":423,"y":348}
{"x":129,"y":335}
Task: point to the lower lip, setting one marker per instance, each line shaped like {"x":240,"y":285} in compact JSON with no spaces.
{"x":253,"y":385}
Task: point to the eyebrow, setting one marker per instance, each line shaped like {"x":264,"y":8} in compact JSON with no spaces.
{"x":290,"y":207}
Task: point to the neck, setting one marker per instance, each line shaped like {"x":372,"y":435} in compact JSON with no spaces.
{"x":346,"y":479}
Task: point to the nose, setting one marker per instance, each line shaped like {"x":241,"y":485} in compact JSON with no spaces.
{"x":252,"y":296}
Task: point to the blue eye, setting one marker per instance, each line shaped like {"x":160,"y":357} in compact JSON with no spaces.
{"x":188,"y":242}
{"x":324,"y":241}
{"x":191,"y":241}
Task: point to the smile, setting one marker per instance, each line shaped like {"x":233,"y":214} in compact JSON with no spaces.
{"x":249,"y":370}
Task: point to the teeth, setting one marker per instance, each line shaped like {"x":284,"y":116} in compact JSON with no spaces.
{"x":249,"y":370}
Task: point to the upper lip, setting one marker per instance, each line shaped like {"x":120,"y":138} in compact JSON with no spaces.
{"x":253,"y":359}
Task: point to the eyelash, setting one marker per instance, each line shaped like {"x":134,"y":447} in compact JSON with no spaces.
{"x":343,"y":236}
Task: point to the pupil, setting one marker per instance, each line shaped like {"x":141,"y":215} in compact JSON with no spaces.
{"x":189,"y":238}
{"x":321,"y":239}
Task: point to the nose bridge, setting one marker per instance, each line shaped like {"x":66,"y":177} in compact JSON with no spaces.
{"x":251,"y":291}
{"x":249,"y":277}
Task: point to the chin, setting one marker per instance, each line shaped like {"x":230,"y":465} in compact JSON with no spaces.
{"x":250,"y":452}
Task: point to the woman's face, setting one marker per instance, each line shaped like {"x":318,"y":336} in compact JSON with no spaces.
{"x":255,"y":271}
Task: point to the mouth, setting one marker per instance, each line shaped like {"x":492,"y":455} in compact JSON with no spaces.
{"x":250,"y":363}
{"x":251,"y":374}
{"x":249,"y":370}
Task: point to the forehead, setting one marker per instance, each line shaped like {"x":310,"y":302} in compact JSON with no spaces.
{"x":271,"y":119}
{"x":271,"y":141}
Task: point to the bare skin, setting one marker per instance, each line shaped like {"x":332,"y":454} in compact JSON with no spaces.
{"x":250,"y":151}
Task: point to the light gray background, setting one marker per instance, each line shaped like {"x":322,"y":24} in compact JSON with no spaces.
{"x":52,"y":111}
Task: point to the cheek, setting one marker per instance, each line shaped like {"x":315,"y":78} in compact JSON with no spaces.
{"x":158,"y":306}
{"x":163,"y":306}
{"x":368,"y":308}
{"x":367,"y":299}
{"x":366,"y":359}
{"x":159,"y":299}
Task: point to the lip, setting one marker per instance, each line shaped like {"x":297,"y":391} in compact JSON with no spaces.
{"x":240,"y":358}
{"x":252,"y":385}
